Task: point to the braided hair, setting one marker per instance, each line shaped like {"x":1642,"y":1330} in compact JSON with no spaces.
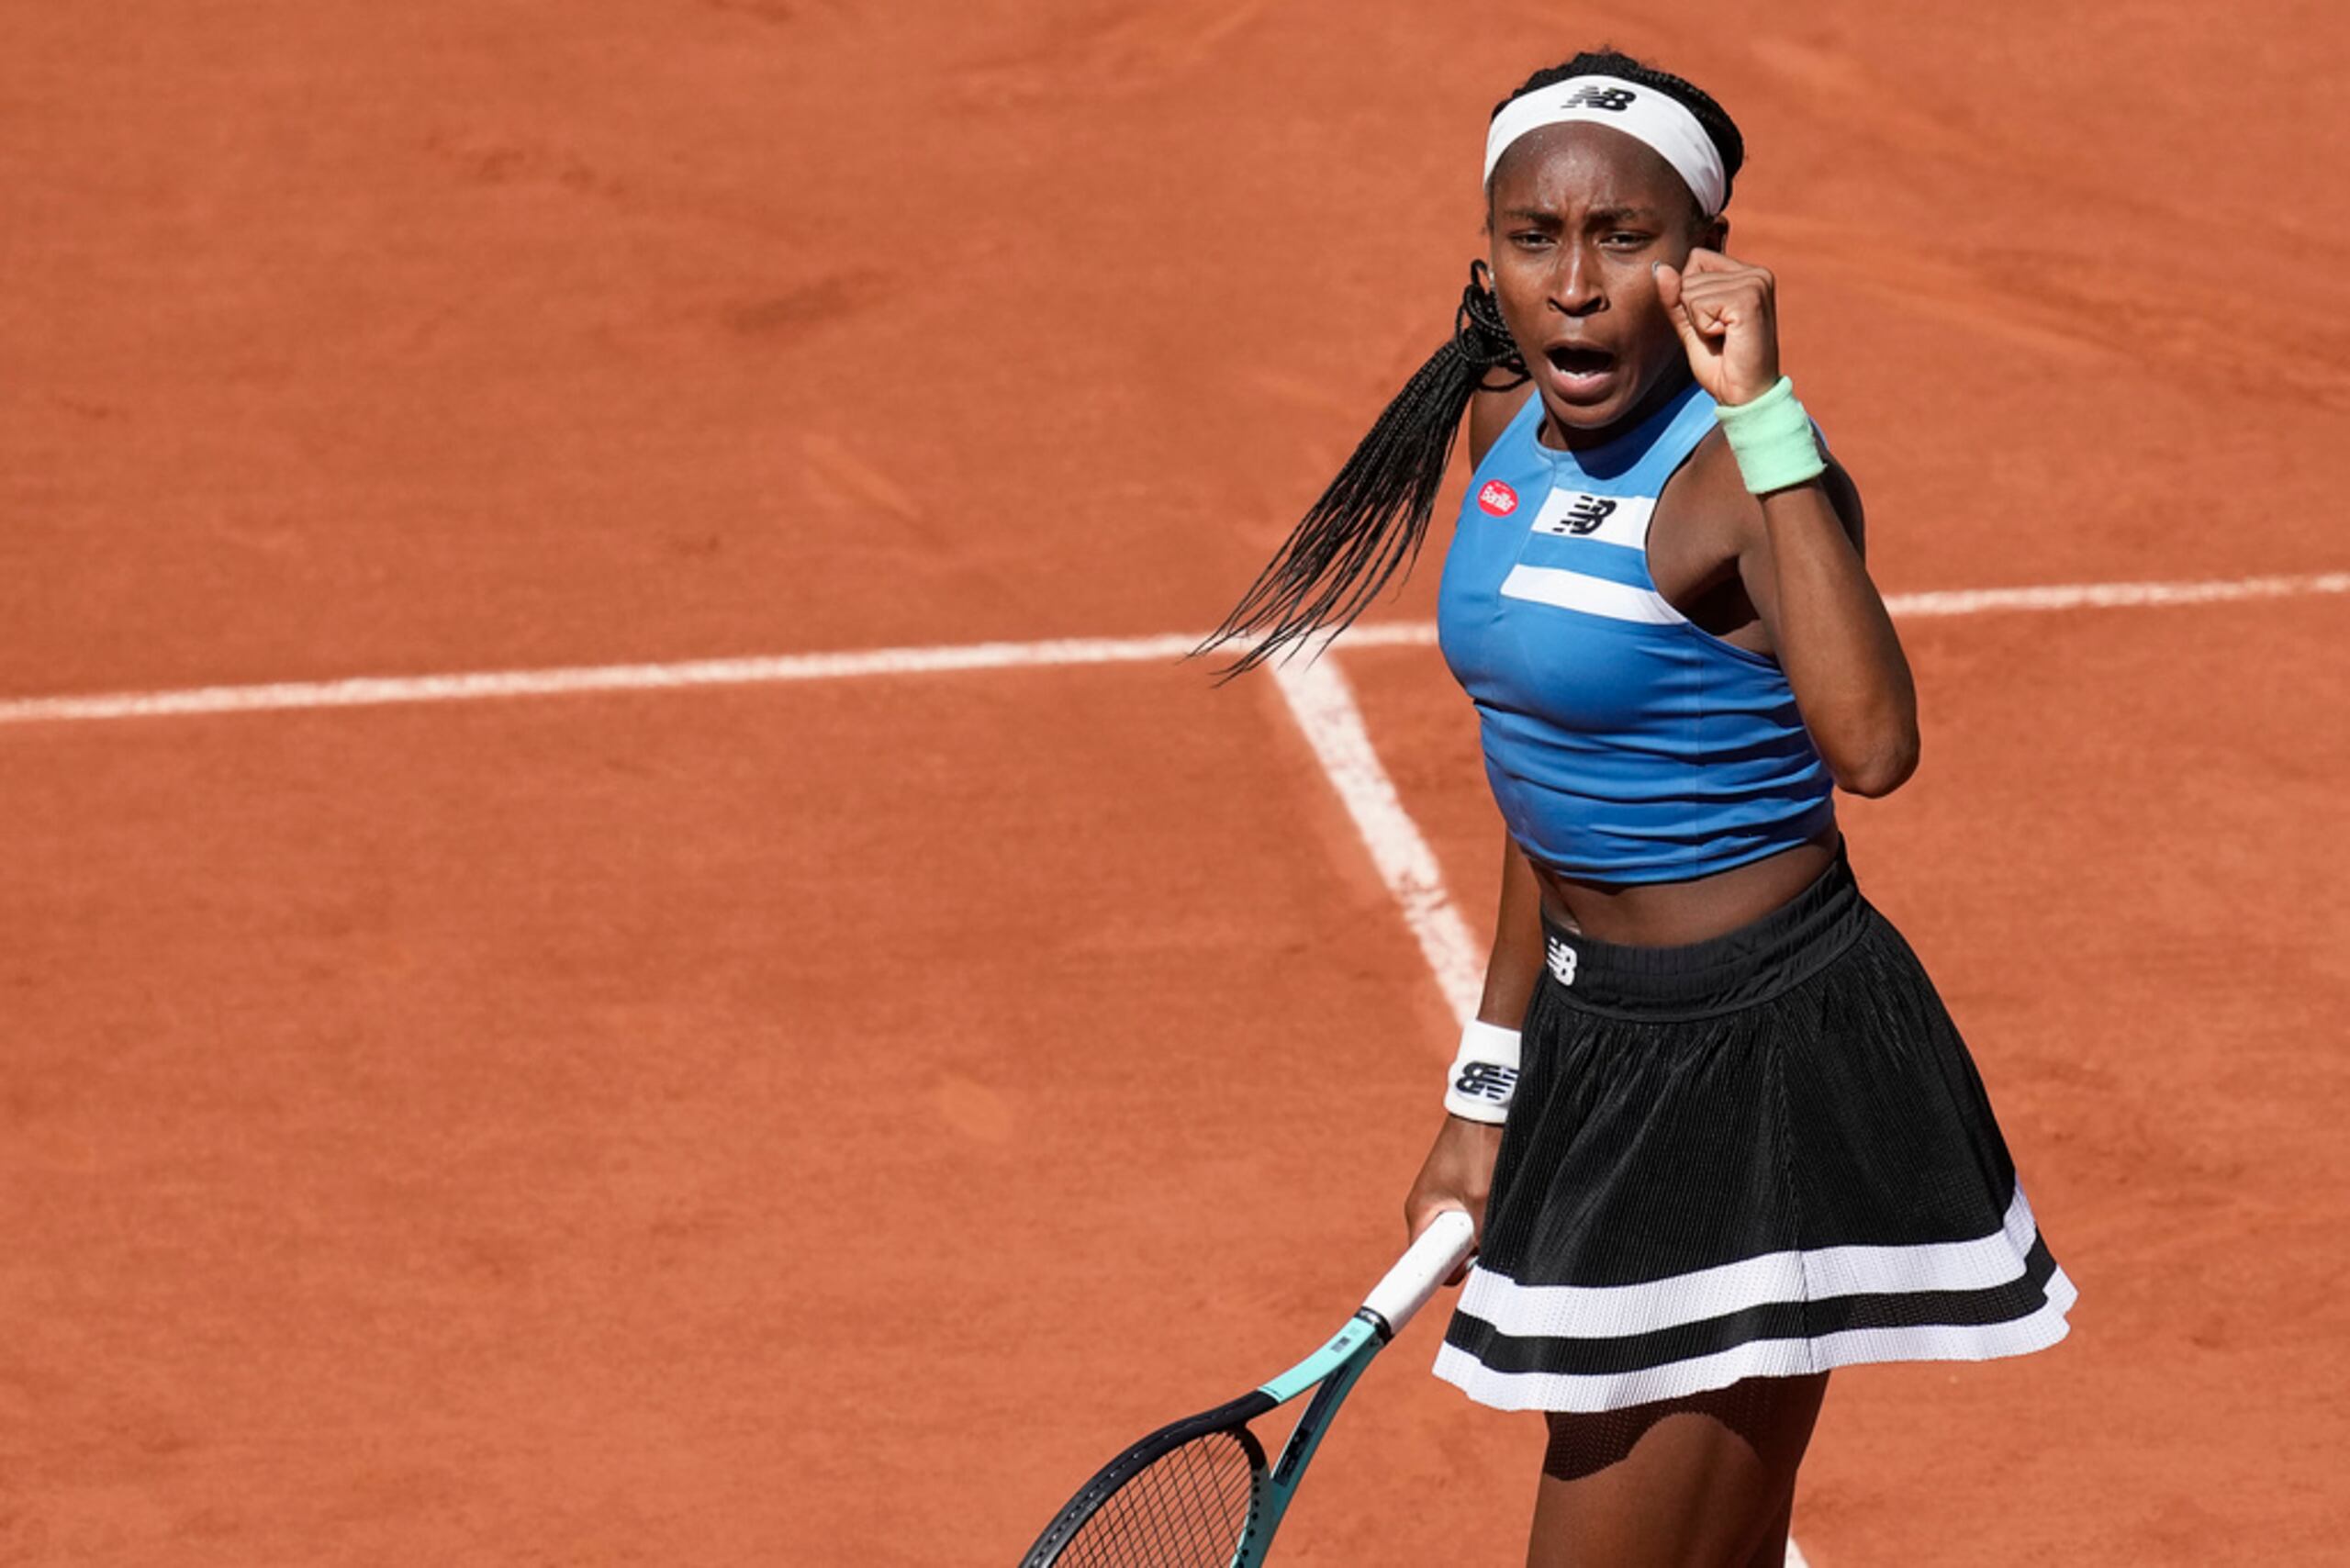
{"x":1369,"y":523}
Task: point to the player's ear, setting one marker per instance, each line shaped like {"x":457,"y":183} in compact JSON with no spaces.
{"x":1712,"y":233}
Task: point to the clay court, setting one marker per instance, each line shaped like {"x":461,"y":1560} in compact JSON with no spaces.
{"x":632,"y":1109}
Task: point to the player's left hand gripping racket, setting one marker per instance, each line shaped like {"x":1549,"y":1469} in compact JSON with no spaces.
{"x":1197,"y":1494}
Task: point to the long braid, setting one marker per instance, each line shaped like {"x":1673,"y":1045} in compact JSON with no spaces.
{"x":1370,"y":522}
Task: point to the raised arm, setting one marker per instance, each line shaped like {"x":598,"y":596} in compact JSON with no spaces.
{"x":1802,"y":568}
{"x":1798,"y":541}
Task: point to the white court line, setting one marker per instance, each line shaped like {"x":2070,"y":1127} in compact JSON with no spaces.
{"x":1324,"y":705}
{"x":374,"y":691}
{"x":370,"y":691}
{"x":1981,"y":601}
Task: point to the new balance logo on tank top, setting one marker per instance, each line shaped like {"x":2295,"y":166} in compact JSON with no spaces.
{"x":1623,"y":743}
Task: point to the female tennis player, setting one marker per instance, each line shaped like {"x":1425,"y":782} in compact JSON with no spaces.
{"x":1720,"y":1132}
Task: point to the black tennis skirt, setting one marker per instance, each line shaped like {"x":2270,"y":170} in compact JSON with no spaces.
{"x":1764,"y":1155}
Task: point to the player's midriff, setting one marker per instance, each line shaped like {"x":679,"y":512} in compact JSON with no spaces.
{"x":1669,"y":914}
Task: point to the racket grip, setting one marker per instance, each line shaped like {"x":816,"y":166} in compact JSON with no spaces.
{"x":1431,"y":1258}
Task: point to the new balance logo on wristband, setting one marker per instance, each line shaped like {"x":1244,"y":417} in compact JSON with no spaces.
{"x":1483,"y":1080}
{"x":1561,"y":960}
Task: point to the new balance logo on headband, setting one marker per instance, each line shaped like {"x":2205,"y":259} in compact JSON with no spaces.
{"x":1615,"y":100}
{"x":1665,"y":123}
{"x":1484,"y":1080}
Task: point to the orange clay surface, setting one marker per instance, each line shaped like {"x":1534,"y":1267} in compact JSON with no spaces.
{"x":817,"y":1124}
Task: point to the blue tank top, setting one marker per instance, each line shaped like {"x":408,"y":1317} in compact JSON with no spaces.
{"x":1624,"y":742}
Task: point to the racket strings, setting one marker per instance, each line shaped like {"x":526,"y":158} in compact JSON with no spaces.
{"x":1188,"y":1508}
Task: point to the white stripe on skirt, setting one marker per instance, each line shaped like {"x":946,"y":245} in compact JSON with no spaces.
{"x":1585,"y":1391}
{"x":1603,"y":1312}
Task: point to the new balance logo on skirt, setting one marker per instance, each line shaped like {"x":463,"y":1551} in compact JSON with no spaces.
{"x":1484,"y":1080}
{"x":1561,"y":960}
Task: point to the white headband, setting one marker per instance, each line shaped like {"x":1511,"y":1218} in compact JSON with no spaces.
{"x":1644,"y":113}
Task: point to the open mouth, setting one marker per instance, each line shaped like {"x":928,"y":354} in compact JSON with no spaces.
{"x":1579,"y":364}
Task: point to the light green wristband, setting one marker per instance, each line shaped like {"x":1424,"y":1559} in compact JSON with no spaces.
{"x":1770,"y":437}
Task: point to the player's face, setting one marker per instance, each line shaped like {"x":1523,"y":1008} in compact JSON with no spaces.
{"x":1578,"y":215}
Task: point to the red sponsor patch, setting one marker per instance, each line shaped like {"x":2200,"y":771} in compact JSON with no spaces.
{"x":1497,"y":499}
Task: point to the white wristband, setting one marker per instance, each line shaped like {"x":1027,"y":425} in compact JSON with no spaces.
{"x":1484,"y":1075}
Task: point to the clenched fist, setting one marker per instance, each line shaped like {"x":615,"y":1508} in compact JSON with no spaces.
{"x":1729,"y":323}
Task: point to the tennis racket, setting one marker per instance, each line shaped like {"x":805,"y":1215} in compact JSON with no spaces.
{"x":1197,"y":1493}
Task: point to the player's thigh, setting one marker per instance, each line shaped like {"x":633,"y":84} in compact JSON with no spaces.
{"x":1693,"y":1482}
{"x":1771,"y":1548}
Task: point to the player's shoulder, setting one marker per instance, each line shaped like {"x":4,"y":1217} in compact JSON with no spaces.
{"x":1710,"y":479}
{"x":1490,"y":414}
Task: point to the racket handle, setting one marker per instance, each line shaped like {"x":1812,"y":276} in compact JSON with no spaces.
{"x":1433,"y":1256}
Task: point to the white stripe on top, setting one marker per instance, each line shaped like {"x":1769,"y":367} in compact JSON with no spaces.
{"x":1604,"y":1312}
{"x":1593,"y":596}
